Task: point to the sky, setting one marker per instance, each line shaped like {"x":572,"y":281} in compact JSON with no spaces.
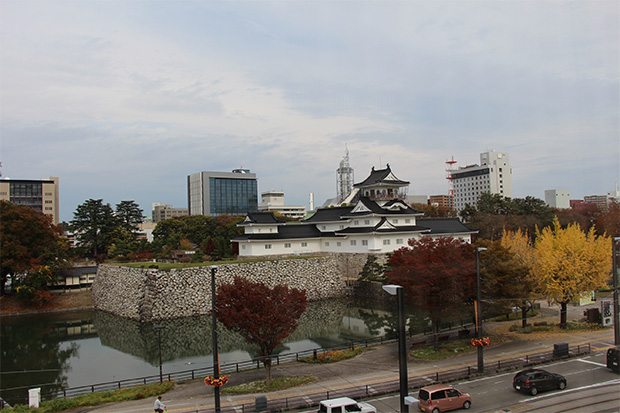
{"x":122,"y":100}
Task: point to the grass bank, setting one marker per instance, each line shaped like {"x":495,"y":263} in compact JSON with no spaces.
{"x":99,"y":398}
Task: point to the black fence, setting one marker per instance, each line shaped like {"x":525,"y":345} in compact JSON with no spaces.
{"x":309,"y":400}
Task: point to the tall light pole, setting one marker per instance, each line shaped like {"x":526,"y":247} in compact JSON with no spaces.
{"x":397,"y":290}
{"x":478,"y":310}
{"x":614,"y":269}
{"x":159,"y":328}
{"x":216,"y":358}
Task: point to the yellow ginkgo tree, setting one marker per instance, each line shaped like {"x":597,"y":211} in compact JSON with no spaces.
{"x":523,"y":286}
{"x":570,"y":264}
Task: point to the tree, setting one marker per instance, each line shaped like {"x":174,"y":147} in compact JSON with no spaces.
{"x":570,"y":263}
{"x":438,"y":276}
{"x":505,"y":278}
{"x":372,"y":270}
{"x":130,"y":215}
{"x":94,"y":224}
{"x":434,"y":211}
{"x":493,"y":214}
{"x":263,"y":316}
{"x":30,"y":244}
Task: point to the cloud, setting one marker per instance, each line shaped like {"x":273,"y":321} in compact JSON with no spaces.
{"x":121,"y":98}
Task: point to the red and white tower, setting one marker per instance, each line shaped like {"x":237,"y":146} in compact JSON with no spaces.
{"x":449,"y":169}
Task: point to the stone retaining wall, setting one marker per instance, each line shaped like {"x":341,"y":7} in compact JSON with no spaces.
{"x":147,"y":294}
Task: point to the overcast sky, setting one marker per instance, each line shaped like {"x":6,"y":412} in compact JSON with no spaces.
{"x":122,"y":100}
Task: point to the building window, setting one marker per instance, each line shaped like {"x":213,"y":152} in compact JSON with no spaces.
{"x":304,"y":244}
{"x":353,"y":242}
{"x":287,"y":245}
{"x":327,"y":244}
{"x":243,"y":247}
{"x":407,"y":221}
{"x":399,"y":241}
{"x":386,"y":242}
{"x":338,"y":244}
{"x":366,"y":222}
{"x":267,"y":246}
{"x":396,"y":221}
{"x":356,"y":222}
{"x":323,"y":227}
{"x":341,"y":226}
{"x":364,"y":242}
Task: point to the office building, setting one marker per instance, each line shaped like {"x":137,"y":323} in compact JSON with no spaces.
{"x":274,"y":201}
{"x":40,"y":195}
{"x":493,"y":175}
{"x":445,"y":201}
{"x":165,"y":211}
{"x":219,"y":193}
{"x":557,"y":198}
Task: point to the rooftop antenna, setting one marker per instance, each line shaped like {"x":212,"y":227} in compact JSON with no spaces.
{"x":449,"y":169}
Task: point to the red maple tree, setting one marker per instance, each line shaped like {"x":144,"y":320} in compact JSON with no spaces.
{"x":264,"y":316}
{"x":438,"y":276}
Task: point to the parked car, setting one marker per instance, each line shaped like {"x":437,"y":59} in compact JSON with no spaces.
{"x":613,"y":359}
{"x":535,"y":380}
{"x":343,"y":405}
{"x":441,"y":398}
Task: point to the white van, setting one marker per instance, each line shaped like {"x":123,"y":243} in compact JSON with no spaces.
{"x":344,"y":405}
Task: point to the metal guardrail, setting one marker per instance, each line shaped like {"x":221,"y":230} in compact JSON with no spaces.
{"x":313,"y":399}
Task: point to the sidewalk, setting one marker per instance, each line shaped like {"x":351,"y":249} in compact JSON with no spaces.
{"x":377,"y":365}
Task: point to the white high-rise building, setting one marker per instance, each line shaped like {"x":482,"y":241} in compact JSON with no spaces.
{"x":557,"y":198}
{"x":493,"y":175}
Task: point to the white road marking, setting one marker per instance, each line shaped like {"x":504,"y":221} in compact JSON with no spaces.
{"x":592,"y":362}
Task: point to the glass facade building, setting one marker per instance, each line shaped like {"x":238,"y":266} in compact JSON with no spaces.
{"x":219,"y":193}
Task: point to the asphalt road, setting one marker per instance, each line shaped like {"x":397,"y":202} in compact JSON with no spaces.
{"x":592,"y":387}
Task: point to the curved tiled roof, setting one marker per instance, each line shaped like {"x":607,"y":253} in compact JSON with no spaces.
{"x":445,"y":226}
{"x":378,"y":177}
{"x":291,"y":231}
{"x":328,"y":214}
{"x":261,"y":218}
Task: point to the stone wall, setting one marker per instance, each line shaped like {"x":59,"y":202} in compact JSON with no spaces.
{"x":147,"y":294}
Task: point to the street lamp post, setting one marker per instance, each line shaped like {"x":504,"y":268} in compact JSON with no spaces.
{"x":615,"y":241}
{"x":478,"y":310}
{"x":216,"y":358}
{"x":159,"y":328}
{"x":397,"y":290}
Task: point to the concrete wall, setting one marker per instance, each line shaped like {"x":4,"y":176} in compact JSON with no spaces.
{"x":146,"y":294}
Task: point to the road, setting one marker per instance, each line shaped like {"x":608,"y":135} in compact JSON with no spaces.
{"x":592,"y":387}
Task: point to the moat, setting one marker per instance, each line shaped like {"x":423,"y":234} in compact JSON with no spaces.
{"x":61,"y":350}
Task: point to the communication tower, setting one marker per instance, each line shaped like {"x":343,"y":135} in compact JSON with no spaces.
{"x":344,"y":178}
{"x":449,"y":169}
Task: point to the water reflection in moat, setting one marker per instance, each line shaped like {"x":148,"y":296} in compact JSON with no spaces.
{"x":56,"y":351}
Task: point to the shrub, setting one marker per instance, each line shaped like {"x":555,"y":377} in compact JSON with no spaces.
{"x":332,"y":356}
{"x":41,"y":297}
